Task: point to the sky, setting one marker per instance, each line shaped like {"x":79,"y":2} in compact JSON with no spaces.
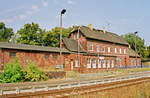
{"x":118,"y":16}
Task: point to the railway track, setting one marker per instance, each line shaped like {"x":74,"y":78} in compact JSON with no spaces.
{"x":72,"y":88}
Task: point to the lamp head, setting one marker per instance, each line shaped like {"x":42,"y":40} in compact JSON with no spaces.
{"x":63,"y":11}
{"x":135,"y":32}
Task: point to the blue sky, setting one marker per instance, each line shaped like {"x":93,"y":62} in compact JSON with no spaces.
{"x":118,"y":16}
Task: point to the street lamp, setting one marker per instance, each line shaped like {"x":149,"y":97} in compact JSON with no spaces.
{"x":135,"y":50}
{"x":62,"y":12}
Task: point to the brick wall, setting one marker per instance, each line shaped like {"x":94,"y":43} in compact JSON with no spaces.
{"x":35,"y":56}
{"x":123,"y":58}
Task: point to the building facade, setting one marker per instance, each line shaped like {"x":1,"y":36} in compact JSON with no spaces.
{"x":85,"y":50}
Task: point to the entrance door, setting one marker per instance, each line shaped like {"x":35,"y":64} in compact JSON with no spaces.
{"x":71,"y":65}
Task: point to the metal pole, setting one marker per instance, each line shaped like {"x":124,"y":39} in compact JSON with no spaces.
{"x":60,"y":62}
{"x":135,"y":50}
{"x":78,"y":47}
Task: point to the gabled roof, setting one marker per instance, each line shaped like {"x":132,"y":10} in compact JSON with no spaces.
{"x":30,"y":47}
{"x":72,"y":45}
{"x":132,"y":53}
{"x":100,"y":35}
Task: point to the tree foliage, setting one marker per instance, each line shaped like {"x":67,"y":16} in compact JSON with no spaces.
{"x":5,"y":33}
{"x":140,"y":44}
{"x":13,"y":72}
{"x":148,"y":50}
{"x":52,"y":38}
{"x":30,"y":34}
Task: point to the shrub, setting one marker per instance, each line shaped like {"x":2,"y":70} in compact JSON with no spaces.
{"x":13,"y":72}
{"x":32,"y":73}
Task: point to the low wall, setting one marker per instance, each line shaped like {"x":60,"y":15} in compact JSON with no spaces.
{"x":55,"y":75}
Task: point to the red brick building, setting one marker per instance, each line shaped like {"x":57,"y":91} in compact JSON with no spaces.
{"x":85,"y":50}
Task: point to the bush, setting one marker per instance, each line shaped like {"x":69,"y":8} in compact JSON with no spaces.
{"x":32,"y":73}
{"x":13,"y":72}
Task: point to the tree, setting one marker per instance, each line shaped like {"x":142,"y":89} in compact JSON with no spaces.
{"x":30,"y":34}
{"x":5,"y":33}
{"x":148,"y":50}
{"x":51,"y":38}
{"x":141,"y":48}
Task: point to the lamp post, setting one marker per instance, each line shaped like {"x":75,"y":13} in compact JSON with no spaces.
{"x":60,"y":59}
{"x":135,"y":50}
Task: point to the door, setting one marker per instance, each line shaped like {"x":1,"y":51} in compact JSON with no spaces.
{"x":71,"y":65}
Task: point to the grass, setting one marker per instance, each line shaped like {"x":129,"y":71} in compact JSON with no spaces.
{"x":133,"y":70}
{"x":71,"y":74}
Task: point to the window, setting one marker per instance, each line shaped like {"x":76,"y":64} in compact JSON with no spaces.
{"x":115,"y":50}
{"x":108,"y":48}
{"x":54,"y":56}
{"x":94,"y":63}
{"x":120,"y":51}
{"x":99,"y":63}
{"x":104,"y":66}
{"x":76,"y":63}
{"x":124,"y":51}
{"x":12,"y":54}
{"x":135,"y":62}
{"x":112,"y":63}
{"x":131,"y":61}
{"x":91,"y":47}
{"x":97,"y":48}
{"x":75,"y":36}
{"x":108,"y":64}
{"x":103,"y":48}
{"x":88,"y":63}
{"x":46,"y":56}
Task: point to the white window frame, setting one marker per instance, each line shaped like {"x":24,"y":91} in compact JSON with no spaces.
{"x":112,"y":63}
{"x":97,"y":48}
{"x":76,"y":63}
{"x":125,"y":51}
{"x":109,"y":49}
{"x":120,"y":50}
{"x":91,"y":47}
{"x":103,"y":48}
{"x":99,"y":62}
{"x":94,"y":63}
{"x":115,"y":49}
{"x":108,"y":63}
{"x":104,"y":63}
{"x":88,"y":63}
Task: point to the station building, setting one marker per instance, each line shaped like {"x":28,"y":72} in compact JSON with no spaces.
{"x":85,"y":50}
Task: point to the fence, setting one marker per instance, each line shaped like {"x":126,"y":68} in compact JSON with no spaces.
{"x":45,"y":86}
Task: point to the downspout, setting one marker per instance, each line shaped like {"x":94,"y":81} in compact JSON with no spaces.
{"x":2,"y":58}
{"x":78,"y":48}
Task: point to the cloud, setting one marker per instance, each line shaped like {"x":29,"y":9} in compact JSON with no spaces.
{"x":64,"y":2}
{"x":35,"y":8}
{"x":11,"y":10}
{"x":22,"y":16}
{"x":44,"y":3}
{"x":70,"y":2}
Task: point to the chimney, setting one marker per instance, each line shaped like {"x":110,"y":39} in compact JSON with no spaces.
{"x":104,"y":30}
{"x":129,"y":46}
{"x":90,"y":26}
